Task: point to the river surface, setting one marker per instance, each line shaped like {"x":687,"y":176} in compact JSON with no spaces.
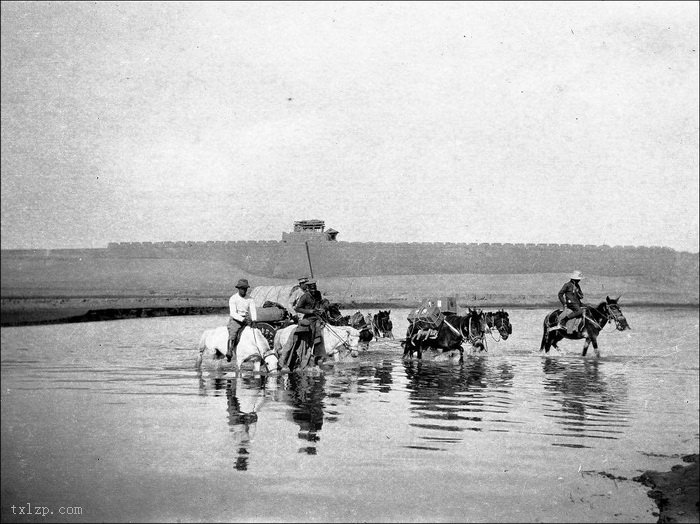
{"x":110,"y":421}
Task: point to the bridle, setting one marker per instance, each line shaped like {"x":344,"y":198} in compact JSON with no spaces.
{"x":383,"y":324}
{"x":263,"y":356}
{"x":615,"y":314}
{"x":499,"y":324}
{"x":610,"y":313}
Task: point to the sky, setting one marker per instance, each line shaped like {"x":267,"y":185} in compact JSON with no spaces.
{"x":509,"y":122}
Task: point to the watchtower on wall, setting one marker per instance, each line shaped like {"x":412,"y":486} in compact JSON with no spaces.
{"x":314,"y":230}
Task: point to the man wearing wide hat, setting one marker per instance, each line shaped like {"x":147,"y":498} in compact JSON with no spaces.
{"x":242,"y":313}
{"x":570,"y":296}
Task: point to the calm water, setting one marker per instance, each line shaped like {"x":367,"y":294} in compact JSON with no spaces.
{"x":112,"y":418}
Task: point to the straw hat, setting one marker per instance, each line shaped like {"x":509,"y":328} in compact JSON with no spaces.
{"x":576,"y":275}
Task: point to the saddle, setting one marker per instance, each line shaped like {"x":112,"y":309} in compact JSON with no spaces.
{"x":573,"y":324}
{"x":427,"y":318}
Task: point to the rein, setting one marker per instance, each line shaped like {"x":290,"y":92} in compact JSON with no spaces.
{"x":497,"y":331}
{"x":614,"y":315}
{"x":494,"y":327}
{"x":342,"y":340}
{"x":464,"y":336}
{"x":610,"y":315}
{"x":263,"y":356}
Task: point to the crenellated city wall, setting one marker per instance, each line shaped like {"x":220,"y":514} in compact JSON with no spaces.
{"x":330,"y":259}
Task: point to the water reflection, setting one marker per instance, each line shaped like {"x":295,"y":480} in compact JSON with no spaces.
{"x":305,"y":394}
{"x":587,"y":405}
{"x":245,"y":396}
{"x":382,"y":374}
{"x":448,"y":400}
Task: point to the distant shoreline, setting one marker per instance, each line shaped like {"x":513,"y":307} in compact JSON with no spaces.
{"x":25,"y":311}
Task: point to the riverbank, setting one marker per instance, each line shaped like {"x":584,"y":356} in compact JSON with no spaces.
{"x":57,"y":295}
{"x":20,"y":311}
{"x":676,"y":492}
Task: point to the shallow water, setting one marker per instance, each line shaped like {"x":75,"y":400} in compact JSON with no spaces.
{"x":112,"y":418}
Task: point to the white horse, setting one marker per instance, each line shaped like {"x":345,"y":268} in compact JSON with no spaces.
{"x":340,"y":342}
{"x":252,"y":347}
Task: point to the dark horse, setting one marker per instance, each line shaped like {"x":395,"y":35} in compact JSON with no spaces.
{"x":592,"y":323}
{"x":453,"y":331}
{"x":382,"y":325}
{"x":500,"y":321}
{"x":333,"y":315}
{"x":359,"y":323}
{"x":335,"y":318}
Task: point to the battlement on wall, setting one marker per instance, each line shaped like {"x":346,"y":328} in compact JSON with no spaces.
{"x":240,"y":243}
{"x":356,"y":258}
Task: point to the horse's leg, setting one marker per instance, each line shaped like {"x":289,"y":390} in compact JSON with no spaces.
{"x":406,"y":348}
{"x":585,"y":346}
{"x":544,"y":345}
{"x":547,"y":341}
{"x":594,"y":340}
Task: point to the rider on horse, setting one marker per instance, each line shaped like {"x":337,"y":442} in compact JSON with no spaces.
{"x":308,"y":336}
{"x":298,"y":291}
{"x":570,"y":296}
{"x":242,"y":313}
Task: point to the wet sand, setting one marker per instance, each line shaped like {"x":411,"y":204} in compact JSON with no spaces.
{"x":675,"y":492}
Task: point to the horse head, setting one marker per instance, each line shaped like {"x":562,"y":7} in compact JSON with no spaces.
{"x":358,"y":320}
{"x":501,"y":322}
{"x":338,"y":338}
{"x":383,"y":321}
{"x":270,"y":360}
{"x":332,"y":310}
{"x":477,"y":323}
{"x":615,"y":313}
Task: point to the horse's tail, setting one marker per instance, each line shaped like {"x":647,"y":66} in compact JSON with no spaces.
{"x":202,"y":344}
{"x":545,"y":330}
{"x":277,"y":343}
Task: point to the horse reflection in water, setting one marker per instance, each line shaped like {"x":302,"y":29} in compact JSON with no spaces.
{"x":305,"y":393}
{"x":382,"y":374}
{"x":245,"y":396}
{"x":592,"y":407}
{"x":452,"y":397}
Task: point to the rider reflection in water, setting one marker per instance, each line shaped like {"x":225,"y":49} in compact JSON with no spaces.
{"x":305,"y":395}
{"x":243,"y":425}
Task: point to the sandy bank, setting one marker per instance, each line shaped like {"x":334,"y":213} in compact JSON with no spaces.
{"x":676,"y":492}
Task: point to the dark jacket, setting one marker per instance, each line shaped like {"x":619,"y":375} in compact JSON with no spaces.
{"x":570,"y":293}
{"x":306,"y":305}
